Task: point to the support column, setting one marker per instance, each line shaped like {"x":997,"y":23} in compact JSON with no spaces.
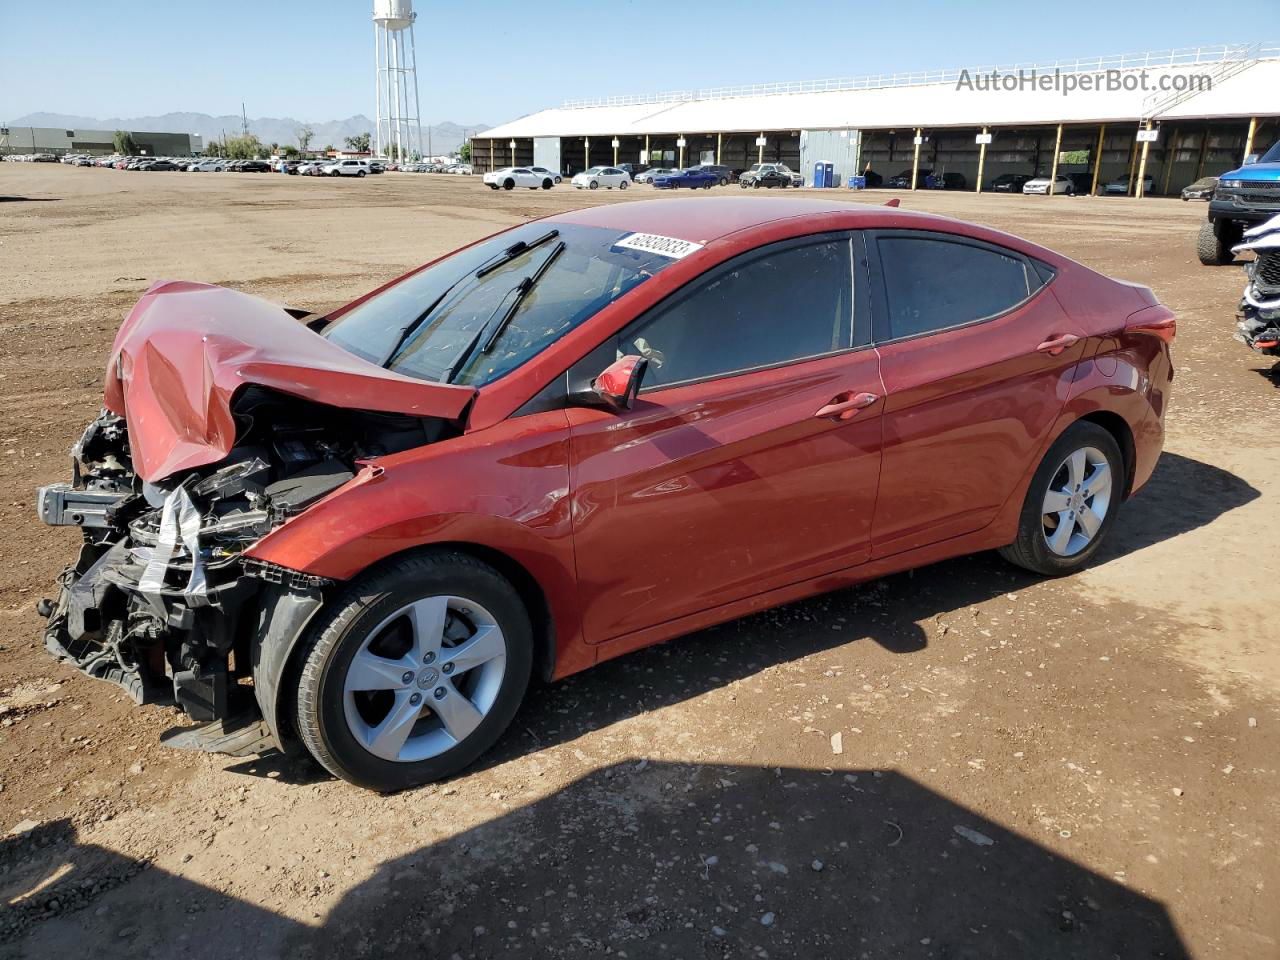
{"x":915,"y":158}
{"x":1170,"y":154}
{"x":648,"y":157}
{"x":1097,"y":160}
{"x":615,"y":151}
{"x":1133,"y":161}
{"x":511,"y":144}
{"x":586,"y":153}
{"x":719,"y":140}
{"x":1248,"y":140}
{"x":492,"y":166}
{"x":1053,"y":167}
{"x":760,"y":157}
{"x":1204,"y":148}
{"x":982,"y":161}
{"x":1142,"y":166}
{"x":680,"y":147}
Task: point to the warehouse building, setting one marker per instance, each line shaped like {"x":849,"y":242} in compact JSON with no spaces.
{"x":1174,"y":115}
{"x":60,"y":142}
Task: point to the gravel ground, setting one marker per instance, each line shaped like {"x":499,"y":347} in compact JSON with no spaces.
{"x":958,"y":762}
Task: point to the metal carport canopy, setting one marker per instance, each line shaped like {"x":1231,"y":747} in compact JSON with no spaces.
{"x":1251,"y":92}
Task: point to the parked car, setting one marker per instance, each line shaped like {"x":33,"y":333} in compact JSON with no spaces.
{"x":393,"y":518}
{"x":693,"y":178}
{"x":949,"y":181}
{"x":1010,"y":182}
{"x":765,"y":175}
{"x":508,"y":178}
{"x":1245,"y":198}
{"x":347,"y":167}
{"x":1202,"y":189}
{"x":724,"y":175}
{"x":313,"y":168}
{"x":208,"y":166}
{"x":544,"y":172}
{"x":602,"y":177}
{"x":903,"y":180}
{"x":1060,"y":184}
{"x":1121,"y":184}
{"x":161,"y":164}
{"x":646,"y":176}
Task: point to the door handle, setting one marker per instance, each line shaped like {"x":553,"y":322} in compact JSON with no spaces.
{"x":1056,"y":344}
{"x":845,"y":405}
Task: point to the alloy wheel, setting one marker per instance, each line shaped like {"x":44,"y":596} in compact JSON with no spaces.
{"x":424,"y":679}
{"x":1077,"y":501}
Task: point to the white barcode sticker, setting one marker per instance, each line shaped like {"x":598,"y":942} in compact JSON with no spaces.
{"x":655,"y":243}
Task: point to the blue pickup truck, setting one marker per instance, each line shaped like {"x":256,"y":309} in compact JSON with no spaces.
{"x":1242,"y":198}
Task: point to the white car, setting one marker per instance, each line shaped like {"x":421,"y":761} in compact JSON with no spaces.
{"x":646,"y":176}
{"x":1043,"y":185}
{"x":347,"y":168}
{"x":1121,"y":184}
{"x":543,"y":171}
{"x":208,"y":166}
{"x":508,"y":178}
{"x":602,"y":177}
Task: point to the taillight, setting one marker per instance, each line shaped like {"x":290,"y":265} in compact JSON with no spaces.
{"x":1156,"y":321}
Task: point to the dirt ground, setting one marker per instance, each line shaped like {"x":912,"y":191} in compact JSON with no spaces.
{"x":1084,"y":767}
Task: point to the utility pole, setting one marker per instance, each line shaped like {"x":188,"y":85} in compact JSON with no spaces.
{"x":244,"y":120}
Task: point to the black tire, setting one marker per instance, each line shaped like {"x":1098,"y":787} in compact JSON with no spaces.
{"x":1031,"y":550}
{"x":622,"y":184}
{"x":508,"y":184}
{"x":547,"y":184}
{"x":595,"y":185}
{"x":344,"y":624}
{"x":724,"y":181}
{"x":559,"y":179}
{"x":359,"y":173}
{"x":1214,"y":243}
{"x":755,"y":184}
{"x":493,"y":186}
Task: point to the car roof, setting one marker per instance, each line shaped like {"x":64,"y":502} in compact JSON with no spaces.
{"x":704,"y":219}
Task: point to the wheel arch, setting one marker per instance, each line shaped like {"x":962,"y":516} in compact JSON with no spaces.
{"x":1120,"y":430}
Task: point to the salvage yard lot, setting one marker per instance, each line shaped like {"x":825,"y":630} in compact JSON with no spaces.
{"x":963,"y":761}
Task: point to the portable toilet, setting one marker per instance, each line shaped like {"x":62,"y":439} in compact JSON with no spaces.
{"x":820,"y":174}
{"x":828,"y":174}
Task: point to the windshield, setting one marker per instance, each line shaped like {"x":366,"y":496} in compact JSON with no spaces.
{"x":444,"y":307}
{"x":1272,"y":155}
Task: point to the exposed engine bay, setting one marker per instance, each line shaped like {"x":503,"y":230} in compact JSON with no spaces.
{"x":161,"y":600}
{"x":1258,"y":320}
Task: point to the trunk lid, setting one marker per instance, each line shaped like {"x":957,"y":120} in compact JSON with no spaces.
{"x":186,"y":348}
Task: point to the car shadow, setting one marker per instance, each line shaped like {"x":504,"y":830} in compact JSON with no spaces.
{"x":1271,"y":374}
{"x":7,"y":199}
{"x":646,"y":859}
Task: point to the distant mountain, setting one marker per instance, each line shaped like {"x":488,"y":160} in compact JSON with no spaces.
{"x":444,"y":137}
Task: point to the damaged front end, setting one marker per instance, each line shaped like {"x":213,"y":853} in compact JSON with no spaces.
{"x":1258,"y":319}
{"x":161,"y":599}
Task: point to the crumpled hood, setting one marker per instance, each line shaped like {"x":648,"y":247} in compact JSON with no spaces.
{"x":186,"y":348}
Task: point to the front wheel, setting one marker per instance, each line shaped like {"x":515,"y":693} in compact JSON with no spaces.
{"x":546,"y":184}
{"x":1214,"y":242}
{"x":1071,"y":503}
{"x":359,"y":173}
{"x":415,"y":671}
{"x":756,"y":185}
{"x":508,"y":184}
{"x":595,"y":185}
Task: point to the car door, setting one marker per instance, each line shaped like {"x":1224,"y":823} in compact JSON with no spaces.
{"x":977,"y":358}
{"x":750,"y":459}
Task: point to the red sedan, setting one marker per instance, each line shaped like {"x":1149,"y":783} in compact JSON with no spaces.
{"x":581,"y":436}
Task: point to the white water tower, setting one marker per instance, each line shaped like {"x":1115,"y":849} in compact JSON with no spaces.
{"x":399,"y":118}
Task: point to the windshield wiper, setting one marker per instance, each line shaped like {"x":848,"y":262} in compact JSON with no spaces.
{"x":489,"y":332}
{"x":506,"y":256}
{"x":513,"y":251}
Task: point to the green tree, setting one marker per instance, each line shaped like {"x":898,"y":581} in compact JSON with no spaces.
{"x":464,"y":152}
{"x":124,"y":144}
{"x":329,"y":148}
{"x":304,"y":134}
{"x":244,"y":147}
{"x":359,"y":143}
{"x":290,"y":151}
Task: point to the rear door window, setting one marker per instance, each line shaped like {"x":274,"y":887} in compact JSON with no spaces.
{"x":933,"y":281}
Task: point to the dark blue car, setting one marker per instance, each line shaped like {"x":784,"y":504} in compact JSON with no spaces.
{"x":692,"y":178}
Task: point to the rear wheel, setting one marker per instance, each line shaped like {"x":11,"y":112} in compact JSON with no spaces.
{"x":622,"y":184}
{"x":416,"y":670}
{"x":546,"y":184}
{"x":1071,"y":502}
{"x":724,"y":181}
{"x":359,"y":173}
{"x":508,"y":184}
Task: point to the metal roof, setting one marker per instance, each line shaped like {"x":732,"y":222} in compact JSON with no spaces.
{"x":1244,"y":83}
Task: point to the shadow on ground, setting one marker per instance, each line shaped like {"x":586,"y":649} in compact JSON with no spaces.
{"x":657,"y":860}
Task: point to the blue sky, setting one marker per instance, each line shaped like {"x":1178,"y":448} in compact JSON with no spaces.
{"x":493,"y":60}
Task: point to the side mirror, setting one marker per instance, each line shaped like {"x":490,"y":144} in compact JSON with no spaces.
{"x":1252,"y":158}
{"x":619,"y":384}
